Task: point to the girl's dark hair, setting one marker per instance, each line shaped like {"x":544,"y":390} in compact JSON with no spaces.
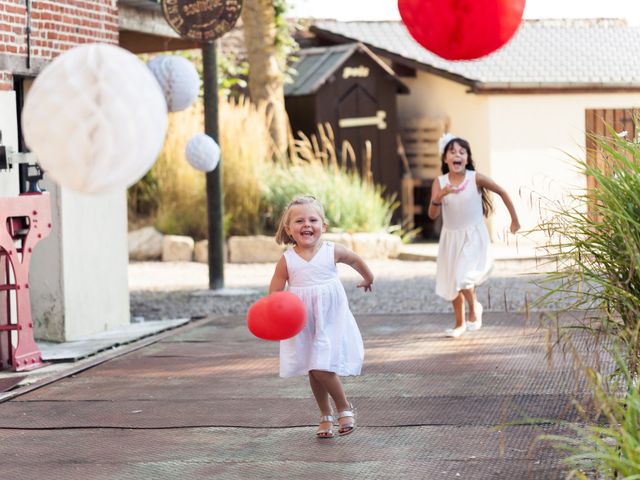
{"x":487,"y":206}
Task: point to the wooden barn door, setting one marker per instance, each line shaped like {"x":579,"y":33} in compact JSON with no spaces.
{"x":359,"y":120}
{"x":598,"y":122}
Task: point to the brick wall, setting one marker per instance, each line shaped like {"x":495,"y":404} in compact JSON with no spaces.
{"x":55,"y":26}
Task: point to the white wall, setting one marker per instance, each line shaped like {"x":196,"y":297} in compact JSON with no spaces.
{"x":535,"y":140}
{"x":523,"y":142}
{"x":9,"y":126}
{"x":96,"y":258}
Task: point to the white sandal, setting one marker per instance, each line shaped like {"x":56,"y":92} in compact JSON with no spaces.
{"x":347,"y":427}
{"x":325,"y":432}
{"x":455,"y":332}
{"x":477,"y":324}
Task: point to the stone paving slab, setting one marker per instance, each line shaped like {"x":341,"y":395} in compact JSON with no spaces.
{"x":205,"y":402}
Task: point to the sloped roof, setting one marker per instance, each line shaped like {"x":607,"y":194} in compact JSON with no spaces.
{"x":544,"y":54}
{"x":315,"y":65}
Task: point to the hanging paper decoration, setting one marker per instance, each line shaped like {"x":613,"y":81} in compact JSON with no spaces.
{"x":178,"y":79}
{"x":461,"y":29}
{"x":95,"y":118}
{"x":203,"y":153}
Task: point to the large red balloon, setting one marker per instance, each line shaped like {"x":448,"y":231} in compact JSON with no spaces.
{"x":461,"y":29}
{"x":277,"y":316}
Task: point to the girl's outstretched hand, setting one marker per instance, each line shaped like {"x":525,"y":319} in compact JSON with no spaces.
{"x":366,"y":285}
{"x":515,"y":226}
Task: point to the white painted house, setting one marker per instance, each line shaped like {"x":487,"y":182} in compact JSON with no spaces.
{"x":524,"y":108}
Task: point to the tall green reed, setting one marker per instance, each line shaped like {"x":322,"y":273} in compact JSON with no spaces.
{"x":597,"y":245}
{"x":596,"y":242}
{"x":607,"y":445}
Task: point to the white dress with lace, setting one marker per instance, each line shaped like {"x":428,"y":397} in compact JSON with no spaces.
{"x":330,"y":339}
{"x":464,"y":256}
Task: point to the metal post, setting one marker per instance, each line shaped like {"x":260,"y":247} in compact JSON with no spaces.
{"x":215,"y":207}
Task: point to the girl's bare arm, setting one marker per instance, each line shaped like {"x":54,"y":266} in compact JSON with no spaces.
{"x":280,"y":276}
{"x":344,"y":255}
{"x":437,"y":194}
{"x":434,"y":209}
{"x":486,"y":182}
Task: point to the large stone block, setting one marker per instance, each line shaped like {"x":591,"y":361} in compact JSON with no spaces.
{"x":177,"y":248}
{"x":145,"y":244}
{"x":341,"y":238}
{"x":201,"y":251}
{"x":376,"y":245}
{"x":254,"y":249}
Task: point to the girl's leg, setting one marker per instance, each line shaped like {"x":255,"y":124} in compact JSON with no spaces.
{"x":332,"y":385}
{"x":458,"y":309}
{"x":320,"y":393}
{"x":322,"y":399}
{"x":470,"y":297}
{"x":331,"y":382}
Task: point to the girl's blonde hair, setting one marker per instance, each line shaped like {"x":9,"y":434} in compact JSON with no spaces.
{"x":282,"y":237}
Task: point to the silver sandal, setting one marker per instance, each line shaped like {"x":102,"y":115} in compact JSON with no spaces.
{"x":347,"y":427}
{"x":325,"y":432}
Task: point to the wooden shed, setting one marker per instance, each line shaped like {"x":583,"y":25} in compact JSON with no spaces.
{"x":354,"y":91}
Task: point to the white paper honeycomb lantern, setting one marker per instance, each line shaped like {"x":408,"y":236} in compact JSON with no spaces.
{"x":96,"y":118}
{"x":178,"y":79}
{"x":203,"y":153}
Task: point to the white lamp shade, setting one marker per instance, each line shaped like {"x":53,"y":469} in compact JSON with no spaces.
{"x":178,"y":79}
{"x":95,"y":118}
{"x":203,"y":153}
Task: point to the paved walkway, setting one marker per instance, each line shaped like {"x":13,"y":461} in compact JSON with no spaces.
{"x":205,"y":402}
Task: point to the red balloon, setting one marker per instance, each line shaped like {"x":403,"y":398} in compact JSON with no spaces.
{"x":277,"y":316}
{"x":461,"y":29}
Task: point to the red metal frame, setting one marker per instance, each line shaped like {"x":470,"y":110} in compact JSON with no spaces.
{"x":24,"y":221}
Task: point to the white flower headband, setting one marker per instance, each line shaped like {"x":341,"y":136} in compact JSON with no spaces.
{"x":444,"y":140}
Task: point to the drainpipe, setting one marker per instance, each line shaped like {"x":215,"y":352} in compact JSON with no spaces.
{"x":28,"y":32}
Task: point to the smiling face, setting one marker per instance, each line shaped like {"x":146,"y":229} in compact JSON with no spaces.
{"x":305,"y":225}
{"x":456,"y":157}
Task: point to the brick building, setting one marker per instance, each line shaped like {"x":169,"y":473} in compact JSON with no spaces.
{"x":33,"y":32}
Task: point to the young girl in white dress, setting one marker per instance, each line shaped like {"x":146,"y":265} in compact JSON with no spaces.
{"x":329,"y":346}
{"x":464,"y":258}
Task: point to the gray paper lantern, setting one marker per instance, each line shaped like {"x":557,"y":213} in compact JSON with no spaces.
{"x":203,"y":153}
{"x":178,"y":79}
{"x":96,"y":118}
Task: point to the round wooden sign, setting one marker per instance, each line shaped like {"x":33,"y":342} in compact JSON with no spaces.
{"x":201,"y":19}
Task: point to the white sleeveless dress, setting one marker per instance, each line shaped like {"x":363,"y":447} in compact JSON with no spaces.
{"x":464,"y":256}
{"x":330,"y":340}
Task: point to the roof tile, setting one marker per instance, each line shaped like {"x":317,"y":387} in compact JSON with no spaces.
{"x":550,"y":53}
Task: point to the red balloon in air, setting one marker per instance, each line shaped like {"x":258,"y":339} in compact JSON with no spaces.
{"x":461,"y":29}
{"x":278,"y":316}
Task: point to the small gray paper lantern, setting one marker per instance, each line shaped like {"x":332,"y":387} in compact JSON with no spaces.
{"x":203,"y":153}
{"x":178,"y":79}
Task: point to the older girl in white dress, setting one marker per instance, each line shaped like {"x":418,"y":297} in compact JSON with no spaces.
{"x":464,"y":258}
{"x":329,"y":346}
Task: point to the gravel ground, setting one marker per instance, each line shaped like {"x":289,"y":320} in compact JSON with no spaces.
{"x":161,"y":290}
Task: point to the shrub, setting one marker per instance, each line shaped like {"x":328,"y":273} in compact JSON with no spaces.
{"x":351,"y":202}
{"x":597,"y":244}
{"x":607,"y":447}
{"x":246,"y":151}
{"x":181,"y":190}
{"x":256,"y":187}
